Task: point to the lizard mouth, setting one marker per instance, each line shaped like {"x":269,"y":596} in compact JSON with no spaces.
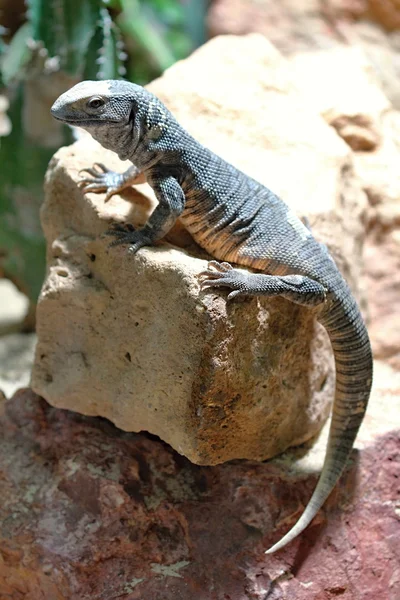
{"x":82,"y":122}
{"x":75,"y":121}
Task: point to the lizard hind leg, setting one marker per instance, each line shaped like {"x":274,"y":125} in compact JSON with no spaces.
{"x":296,"y":288}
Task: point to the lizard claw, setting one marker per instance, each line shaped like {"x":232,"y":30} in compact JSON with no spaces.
{"x":101,"y":179}
{"x":220,"y":266}
{"x":223,"y":275}
{"x":215,"y":268}
{"x":119,"y":229}
{"x":127,"y":234}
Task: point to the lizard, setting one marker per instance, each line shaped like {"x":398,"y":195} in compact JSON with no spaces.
{"x":238,"y":221}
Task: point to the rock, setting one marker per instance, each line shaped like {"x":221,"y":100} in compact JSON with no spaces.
{"x":382,"y":280}
{"x":13,"y":307}
{"x":385,"y":12}
{"x":16,"y":358}
{"x":16,"y":349}
{"x":378,"y":173}
{"x":382,"y":50}
{"x":90,"y":512}
{"x":295,"y":26}
{"x":351,"y":100}
{"x":291,"y":25}
{"x":348,"y":95}
{"x":131,"y":338}
{"x":288,"y":137}
{"x":146,"y":351}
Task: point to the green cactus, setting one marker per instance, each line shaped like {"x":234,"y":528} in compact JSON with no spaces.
{"x":61,"y":42}
{"x":74,"y":37}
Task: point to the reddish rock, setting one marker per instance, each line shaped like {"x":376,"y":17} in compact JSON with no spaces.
{"x":90,"y":512}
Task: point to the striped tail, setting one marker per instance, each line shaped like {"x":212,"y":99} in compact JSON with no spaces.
{"x":353,"y":360}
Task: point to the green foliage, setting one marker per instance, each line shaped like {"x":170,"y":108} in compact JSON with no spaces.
{"x":3,"y":48}
{"x":65,"y":27}
{"x":76,"y":39}
{"x":158,"y":33}
{"x":20,"y":192}
{"x":79,"y":32}
{"x":105,"y":53}
{"x":17,"y":55}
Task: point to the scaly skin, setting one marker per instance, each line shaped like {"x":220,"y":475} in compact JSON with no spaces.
{"x":236,"y":219}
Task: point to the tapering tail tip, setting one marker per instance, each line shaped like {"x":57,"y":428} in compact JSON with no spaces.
{"x":276,"y":547}
{"x":303,"y":522}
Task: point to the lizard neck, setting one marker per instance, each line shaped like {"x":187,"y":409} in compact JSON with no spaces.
{"x":162,"y":146}
{"x":116,"y":137}
{"x":144,"y":139}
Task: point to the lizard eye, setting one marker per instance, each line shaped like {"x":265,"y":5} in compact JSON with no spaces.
{"x":95,"y":102}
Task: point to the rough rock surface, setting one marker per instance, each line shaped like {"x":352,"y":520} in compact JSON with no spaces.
{"x":16,"y":349}
{"x":91,"y":513}
{"x":350,"y":98}
{"x":302,"y":25}
{"x":131,"y":339}
{"x":341,"y":84}
{"x":379,"y":174}
{"x":348,"y":94}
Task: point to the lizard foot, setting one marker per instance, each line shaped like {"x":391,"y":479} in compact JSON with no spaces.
{"x":224,"y":275}
{"x":100,"y":179}
{"x":127,"y":234}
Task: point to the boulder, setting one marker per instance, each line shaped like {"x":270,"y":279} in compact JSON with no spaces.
{"x":132,"y":338}
{"x":90,"y":512}
{"x":295,"y":26}
{"x":341,"y":84}
{"x":379,"y":175}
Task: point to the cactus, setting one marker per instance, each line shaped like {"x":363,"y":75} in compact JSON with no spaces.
{"x":61,"y":42}
{"x":61,"y":39}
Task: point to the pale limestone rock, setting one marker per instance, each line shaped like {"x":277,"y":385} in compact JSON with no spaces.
{"x":342,"y":86}
{"x":379,"y":175}
{"x":310,"y":25}
{"x":133,"y":339}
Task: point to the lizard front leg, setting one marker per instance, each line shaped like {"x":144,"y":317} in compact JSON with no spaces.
{"x":296,"y":288}
{"x":101,"y":179}
{"x":171,"y":202}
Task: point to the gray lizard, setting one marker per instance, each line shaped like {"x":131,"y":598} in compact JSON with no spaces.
{"x":236,"y":220}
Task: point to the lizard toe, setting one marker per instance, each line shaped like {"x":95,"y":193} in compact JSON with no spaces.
{"x":120,"y":230}
{"x":209,"y":273}
{"x":101,"y":168}
{"x":91,"y":170}
{"x":87,"y":185}
{"x":221,"y":267}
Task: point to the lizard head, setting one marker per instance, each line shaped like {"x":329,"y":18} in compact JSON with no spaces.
{"x":92,"y":103}
{"x":116,"y":113}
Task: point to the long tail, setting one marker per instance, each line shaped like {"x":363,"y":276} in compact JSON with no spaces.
{"x":353,"y":360}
